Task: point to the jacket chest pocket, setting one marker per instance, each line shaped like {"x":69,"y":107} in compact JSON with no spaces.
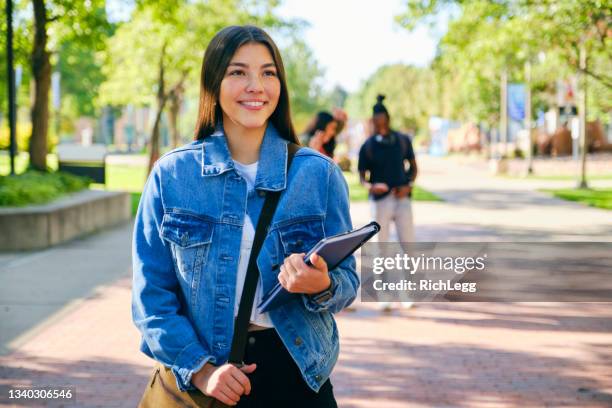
{"x":300,"y":236}
{"x":190,"y":238}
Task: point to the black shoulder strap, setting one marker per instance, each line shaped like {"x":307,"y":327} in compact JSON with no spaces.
{"x":241,"y":323}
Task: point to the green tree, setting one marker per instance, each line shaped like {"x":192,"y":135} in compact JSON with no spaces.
{"x":159,"y":51}
{"x":490,"y":37}
{"x":304,"y":77}
{"x":486,"y":37}
{"x":81,"y":75}
{"x":410,"y":96}
{"x":56,"y":21}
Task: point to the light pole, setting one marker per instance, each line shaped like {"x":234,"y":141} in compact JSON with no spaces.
{"x":11,"y":84}
{"x":528,"y":120}
{"x":582,"y":183}
{"x":503,"y":125}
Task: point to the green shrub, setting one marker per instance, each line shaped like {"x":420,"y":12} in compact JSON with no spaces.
{"x":34,"y":187}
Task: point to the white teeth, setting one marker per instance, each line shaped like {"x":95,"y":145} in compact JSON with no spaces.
{"x":252,"y":103}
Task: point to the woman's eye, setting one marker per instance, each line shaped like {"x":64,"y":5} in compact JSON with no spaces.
{"x":236,"y":73}
{"x":270,"y":73}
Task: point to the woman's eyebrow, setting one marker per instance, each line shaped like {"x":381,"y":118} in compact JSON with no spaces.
{"x":242,"y":64}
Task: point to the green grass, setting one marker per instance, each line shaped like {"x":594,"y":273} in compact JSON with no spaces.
{"x":358,"y":193}
{"x":600,"y":198}
{"x":419,"y":194}
{"x":131,"y":178}
{"x":124,"y":178}
{"x":561,"y":177}
{"x":135,"y":202}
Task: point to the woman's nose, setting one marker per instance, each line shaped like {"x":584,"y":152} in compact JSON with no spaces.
{"x":254,"y":84}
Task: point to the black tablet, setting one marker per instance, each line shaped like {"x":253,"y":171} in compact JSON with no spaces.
{"x":334,"y":250}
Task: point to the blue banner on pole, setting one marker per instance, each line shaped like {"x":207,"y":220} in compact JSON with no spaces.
{"x":516,"y":102}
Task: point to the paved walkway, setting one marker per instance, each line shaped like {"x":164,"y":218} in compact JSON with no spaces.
{"x":482,"y":354}
{"x":478,"y":207}
{"x":442,"y":354}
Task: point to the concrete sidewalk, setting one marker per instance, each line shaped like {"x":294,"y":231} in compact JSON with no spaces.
{"x":40,"y":285}
{"x":479,"y":207}
{"x":66,"y":322}
{"x":437,"y":354}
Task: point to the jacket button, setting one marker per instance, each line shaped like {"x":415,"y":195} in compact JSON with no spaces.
{"x":298,"y":341}
{"x":261,"y":193}
{"x":318,"y":378}
{"x":299,"y":242}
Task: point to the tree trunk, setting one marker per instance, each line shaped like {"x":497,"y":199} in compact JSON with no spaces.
{"x":161,"y":102}
{"x":176,"y":92}
{"x":41,"y":71}
{"x":154,"y":143}
{"x":176,"y":100}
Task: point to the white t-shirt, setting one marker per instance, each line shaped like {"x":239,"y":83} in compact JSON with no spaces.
{"x":248,"y":172}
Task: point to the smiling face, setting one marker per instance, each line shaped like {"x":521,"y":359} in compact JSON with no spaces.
{"x":250,"y":89}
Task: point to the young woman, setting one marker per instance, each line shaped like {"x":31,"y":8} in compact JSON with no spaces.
{"x":194,"y":231}
{"x":321,"y":132}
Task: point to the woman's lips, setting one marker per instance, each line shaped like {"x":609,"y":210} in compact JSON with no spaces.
{"x":253,"y":105}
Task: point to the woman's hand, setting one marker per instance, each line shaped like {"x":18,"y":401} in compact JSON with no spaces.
{"x":297,"y":277}
{"x":316,"y":141}
{"x":225,"y":383}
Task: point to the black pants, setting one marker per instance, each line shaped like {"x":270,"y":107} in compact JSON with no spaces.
{"x":277,"y":381}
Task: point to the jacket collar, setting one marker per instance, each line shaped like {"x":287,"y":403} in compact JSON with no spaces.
{"x":271,"y":170}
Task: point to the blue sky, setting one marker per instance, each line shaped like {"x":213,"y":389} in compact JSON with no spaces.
{"x":352,"y":38}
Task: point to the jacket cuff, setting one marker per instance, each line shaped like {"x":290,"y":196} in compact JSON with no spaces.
{"x":190,"y":360}
{"x":317,"y":303}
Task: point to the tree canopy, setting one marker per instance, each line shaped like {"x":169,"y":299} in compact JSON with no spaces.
{"x":487,"y":37}
{"x":410,"y":96}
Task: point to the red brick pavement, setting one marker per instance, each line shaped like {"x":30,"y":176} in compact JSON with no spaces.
{"x":476,"y":355}
{"x":441,"y":355}
{"x":93,"y":347}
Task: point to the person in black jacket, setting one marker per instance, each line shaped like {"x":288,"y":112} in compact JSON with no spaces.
{"x":388,"y":168}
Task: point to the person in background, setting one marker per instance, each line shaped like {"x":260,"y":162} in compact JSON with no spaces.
{"x":387,"y":168}
{"x":320,"y":132}
{"x":341,"y":118}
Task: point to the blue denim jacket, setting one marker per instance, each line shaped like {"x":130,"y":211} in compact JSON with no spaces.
{"x":187,"y":243}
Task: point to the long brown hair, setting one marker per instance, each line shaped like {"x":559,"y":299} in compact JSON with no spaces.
{"x":216,"y":59}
